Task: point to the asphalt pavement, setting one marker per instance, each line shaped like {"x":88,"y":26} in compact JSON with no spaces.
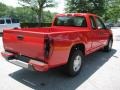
{"x":101,"y":71}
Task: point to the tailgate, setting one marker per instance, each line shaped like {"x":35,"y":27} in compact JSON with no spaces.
{"x":27,"y":43}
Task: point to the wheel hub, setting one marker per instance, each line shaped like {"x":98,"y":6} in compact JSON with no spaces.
{"x":110,"y":44}
{"x":77,"y":63}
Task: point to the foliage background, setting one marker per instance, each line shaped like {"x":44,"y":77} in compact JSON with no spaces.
{"x":109,"y":10}
{"x":24,"y":14}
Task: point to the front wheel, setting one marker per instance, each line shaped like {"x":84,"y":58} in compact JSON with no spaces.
{"x":109,"y":45}
{"x":74,"y":64}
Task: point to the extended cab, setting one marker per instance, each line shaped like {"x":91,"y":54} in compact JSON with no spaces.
{"x":65,"y":43}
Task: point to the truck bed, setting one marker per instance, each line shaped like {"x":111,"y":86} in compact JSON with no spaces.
{"x":27,"y":42}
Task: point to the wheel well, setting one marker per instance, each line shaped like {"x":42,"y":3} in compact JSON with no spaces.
{"x":111,"y":37}
{"x":80,"y":47}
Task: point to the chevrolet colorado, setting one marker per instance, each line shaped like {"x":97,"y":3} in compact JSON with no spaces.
{"x":70,"y":37}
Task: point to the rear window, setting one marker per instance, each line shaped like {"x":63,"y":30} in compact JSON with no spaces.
{"x":15,"y":21}
{"x":78,"y":21}
{"x":2,"y":21}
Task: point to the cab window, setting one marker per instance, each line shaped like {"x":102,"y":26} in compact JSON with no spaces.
{"x":93,"y":23}
{"x":100,"y":24}
{"x":74,"y":21}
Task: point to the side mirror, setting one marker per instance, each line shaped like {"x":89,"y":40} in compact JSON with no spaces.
{"x":108,"y":26}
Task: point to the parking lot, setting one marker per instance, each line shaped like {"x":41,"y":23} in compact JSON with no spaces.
{"x":101,"y":71}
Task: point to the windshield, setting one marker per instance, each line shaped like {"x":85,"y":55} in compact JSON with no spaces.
{"x":78,"y":21}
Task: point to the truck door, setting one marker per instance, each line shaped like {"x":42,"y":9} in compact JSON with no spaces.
{"x":95,"y":34}
{"x":102,"y":31}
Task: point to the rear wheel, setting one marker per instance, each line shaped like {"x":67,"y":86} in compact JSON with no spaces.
{"x":109,"y":45}
{"x":74,"y":64}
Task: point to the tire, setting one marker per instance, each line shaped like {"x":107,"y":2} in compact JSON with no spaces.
{"x":108,"y":48}
{"x":74,"y":64}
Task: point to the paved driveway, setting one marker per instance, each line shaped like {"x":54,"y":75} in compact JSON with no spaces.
{"x":100,"y":72}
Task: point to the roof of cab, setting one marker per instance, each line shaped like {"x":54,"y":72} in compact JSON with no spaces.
{"x":76,"y":14}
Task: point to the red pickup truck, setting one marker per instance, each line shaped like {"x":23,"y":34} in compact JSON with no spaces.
{"x":70,"y":38}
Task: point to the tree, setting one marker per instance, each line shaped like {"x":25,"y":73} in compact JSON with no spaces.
{"x":3,"y":9}
{"x":112,"y":10}
{"x":86,"y":6}
{"x":38,"y":6}
{"x":25,"y":15}
{"x":48,"y":16}
{"x":107,"y":9}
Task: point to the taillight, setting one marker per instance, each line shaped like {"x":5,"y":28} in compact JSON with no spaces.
{"x":48,"y":47}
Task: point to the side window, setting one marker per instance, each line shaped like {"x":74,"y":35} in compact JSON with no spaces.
{"x":94,"y":26}
{"x":2,"y":21}
{"x":100,"y":24}
{"x":80,"y":22}
{"x":8,"y":21}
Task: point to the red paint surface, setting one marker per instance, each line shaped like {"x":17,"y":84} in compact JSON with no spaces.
{"x":64,"y":38}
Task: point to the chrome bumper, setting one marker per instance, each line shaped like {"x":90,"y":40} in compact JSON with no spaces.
{"x":30,"y":65}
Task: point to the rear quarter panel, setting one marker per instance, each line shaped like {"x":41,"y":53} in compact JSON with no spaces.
{"x":62,"y":44}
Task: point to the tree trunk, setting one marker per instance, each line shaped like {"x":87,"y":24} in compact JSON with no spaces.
{"x":40,"y":17}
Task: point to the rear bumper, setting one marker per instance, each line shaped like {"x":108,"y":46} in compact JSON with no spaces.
{"x":31,"y":65}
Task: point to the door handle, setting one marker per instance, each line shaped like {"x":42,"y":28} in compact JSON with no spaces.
{"x":20,"y":37}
